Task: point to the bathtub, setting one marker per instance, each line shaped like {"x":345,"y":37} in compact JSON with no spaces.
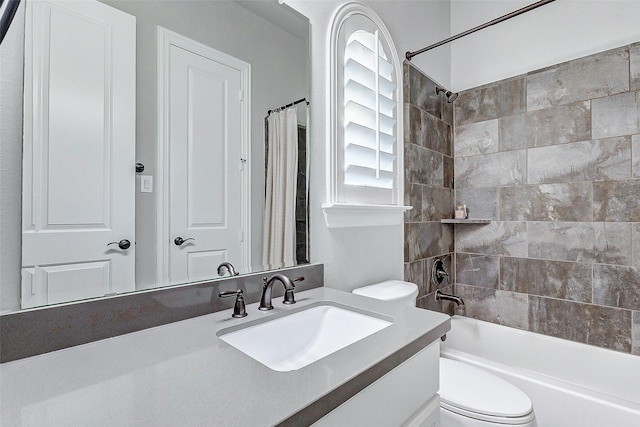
{"x":570,"y":384}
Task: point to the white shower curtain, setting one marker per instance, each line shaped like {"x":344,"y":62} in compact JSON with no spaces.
{"x":279,"y":241}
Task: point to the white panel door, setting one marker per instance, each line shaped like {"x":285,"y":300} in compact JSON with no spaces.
{"x":204,"y":167}
{"x":79,"y":151}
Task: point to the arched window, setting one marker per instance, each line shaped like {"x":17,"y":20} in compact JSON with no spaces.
{"x":366,"y":121}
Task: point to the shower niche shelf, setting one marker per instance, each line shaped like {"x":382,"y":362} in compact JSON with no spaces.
{"x":466,"y":221}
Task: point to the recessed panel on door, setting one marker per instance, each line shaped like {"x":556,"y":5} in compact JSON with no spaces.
{"x":207,"y":163}
{"x":77,"y":144}
{"x":51,"y":284}
{"x":204,"y":265}
{"x":79,"y":151}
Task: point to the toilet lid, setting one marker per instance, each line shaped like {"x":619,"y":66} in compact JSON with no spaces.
{"x":474,"y":392}
{"x":388,"y":290}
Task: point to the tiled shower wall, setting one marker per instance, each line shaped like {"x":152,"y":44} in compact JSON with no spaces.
{"x":428,"y":184}
{"x":553,"y":158}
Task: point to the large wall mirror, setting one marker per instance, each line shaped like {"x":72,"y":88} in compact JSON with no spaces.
{"x":147,"y":128}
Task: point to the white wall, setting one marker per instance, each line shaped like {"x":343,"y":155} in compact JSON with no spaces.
{"x":554,"y":33}
{"x":358,"y":256}
{"x":11,"y":63}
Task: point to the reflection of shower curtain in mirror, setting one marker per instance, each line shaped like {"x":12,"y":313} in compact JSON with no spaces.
{"x":279,"y":240}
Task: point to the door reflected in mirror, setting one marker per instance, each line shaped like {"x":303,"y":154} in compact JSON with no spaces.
{"x":182,"y":88}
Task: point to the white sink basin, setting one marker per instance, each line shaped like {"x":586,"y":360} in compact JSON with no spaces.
{"x":293,"y":341}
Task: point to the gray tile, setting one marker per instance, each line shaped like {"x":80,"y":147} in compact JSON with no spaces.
{"x":551,"y":126}
{"x":616,"y":286}
{"x":407,"y":238}
{"x":425,"y":166}
{"x":407,"y":124}
{"x":636,"y":243}
{"x":547,"y":202}
{"x":634,"y":66}
{"x":478,"y":270}
{"x":414,"y":273}
{"x":427,"y":131}
{"x":414,"y":199}
{"x":491,"y":305}
{"x":589,"y":242}
{"x":426,"y":240}
{"x":422,"y":92}
{"x":447,"y":112}
{"x":406,"y":82}
{"x":635,"y":333}
{"x":429,"y":302}
{"x":615,"y":115}
{"x":482,"y":203}
{"x":635,"y":156}
{"x":497,"y":238}
{"x":617,"y":201}
{"x":586,"y":323}
{"x":416,"y":131}
{"x":476,"y":138}
{"x":448,"y":172}
{"x":556,"y":279}
{"x":437,"y":203}
{"x":491,"y":101}
{"x":580,"y":161}
{"x":491,"y":170}
{"x":594,"y":76}
{"x":440,"y":136}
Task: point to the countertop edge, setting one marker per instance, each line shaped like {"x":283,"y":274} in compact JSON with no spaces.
{"x":336,"y":397}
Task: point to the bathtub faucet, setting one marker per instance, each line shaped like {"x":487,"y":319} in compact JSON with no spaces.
{"x":447,"y":297}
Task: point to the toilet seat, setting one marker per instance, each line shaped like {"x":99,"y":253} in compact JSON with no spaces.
{"x":475,"y":393}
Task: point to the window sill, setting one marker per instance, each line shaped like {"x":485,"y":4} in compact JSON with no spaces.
{"x":345,"y":215}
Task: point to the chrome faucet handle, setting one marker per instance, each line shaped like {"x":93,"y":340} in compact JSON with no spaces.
{"x":289,"y":298}
{"x":239,"y":309}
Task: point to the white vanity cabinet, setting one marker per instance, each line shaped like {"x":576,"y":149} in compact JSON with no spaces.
{"x":406,"y":396}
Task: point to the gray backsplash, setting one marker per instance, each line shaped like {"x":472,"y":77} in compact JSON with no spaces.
{"x":31,"y":332}
{"x":553,"y":158}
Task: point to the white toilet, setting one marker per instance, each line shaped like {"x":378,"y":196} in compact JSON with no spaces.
{"x":469,"y":396}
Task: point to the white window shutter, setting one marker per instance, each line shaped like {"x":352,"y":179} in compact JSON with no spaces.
{"x":365,"y":179}
{"x":369,"y":113}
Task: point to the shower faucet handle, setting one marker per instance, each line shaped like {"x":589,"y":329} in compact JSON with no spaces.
{"x":439,"y":273}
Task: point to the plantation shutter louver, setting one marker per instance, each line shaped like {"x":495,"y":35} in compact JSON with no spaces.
{"x":369,"y":113}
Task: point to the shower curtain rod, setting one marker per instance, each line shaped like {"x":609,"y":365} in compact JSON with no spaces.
{"x":515,"y":13}
{"x":288,"y":105}
{"x":8,"y":10}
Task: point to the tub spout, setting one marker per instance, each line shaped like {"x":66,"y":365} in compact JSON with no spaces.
{"x":447,"y":297}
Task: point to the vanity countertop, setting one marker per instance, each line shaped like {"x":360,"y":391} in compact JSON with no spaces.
{"x":183,"y":374}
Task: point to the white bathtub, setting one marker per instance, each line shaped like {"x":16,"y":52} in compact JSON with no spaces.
{"x":570,"y":384}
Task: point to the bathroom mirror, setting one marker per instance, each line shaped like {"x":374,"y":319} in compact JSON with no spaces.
{"x":271,"y":41}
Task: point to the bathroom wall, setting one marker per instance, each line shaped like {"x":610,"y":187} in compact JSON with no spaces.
{"x":560,"y":31}
{"x":553,"y":158}
{"x":428,"y":185}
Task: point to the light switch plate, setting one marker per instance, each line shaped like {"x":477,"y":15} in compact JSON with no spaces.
{"x":146,"y":184}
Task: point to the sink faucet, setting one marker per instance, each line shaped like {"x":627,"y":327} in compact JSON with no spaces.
{"x":227,"y":267}
{"x":265,"y":301}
